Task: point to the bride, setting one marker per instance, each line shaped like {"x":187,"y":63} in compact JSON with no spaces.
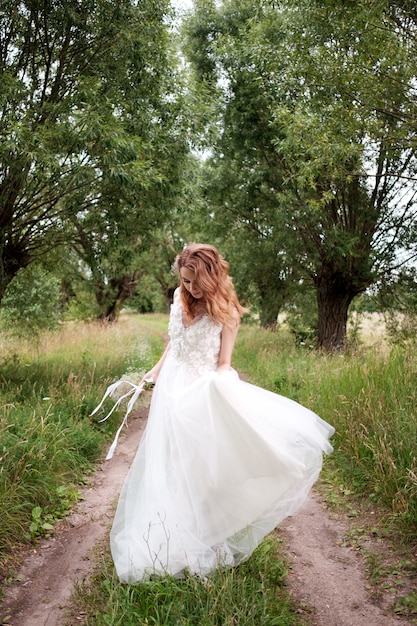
{"x":222,"y":462}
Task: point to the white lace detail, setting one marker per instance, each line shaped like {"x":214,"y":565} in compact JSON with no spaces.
{"x":197,"y":346}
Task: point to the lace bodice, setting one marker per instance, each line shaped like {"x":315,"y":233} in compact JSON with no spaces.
{"x":196,"y":346}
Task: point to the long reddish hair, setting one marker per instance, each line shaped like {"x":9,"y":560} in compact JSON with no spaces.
{"x":212,"y":273}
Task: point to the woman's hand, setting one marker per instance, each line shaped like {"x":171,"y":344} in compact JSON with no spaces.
{"x":150,"y":377}
{"x":223,"y":368}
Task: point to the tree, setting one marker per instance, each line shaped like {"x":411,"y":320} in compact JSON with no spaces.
{"x":240,"y":172}
{"x":80,"y":101}
{"x":116,"y":254}
{"x":242,"y":207}
{"x":32,"y":303}
{"x":317,"y":109}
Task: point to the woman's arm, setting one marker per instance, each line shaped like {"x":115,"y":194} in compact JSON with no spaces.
{"x":154,"y":372}
{"x":227,"y":344}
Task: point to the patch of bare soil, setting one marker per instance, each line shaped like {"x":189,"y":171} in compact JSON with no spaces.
{"x":49,"y":571}
{"x":327,"y":577}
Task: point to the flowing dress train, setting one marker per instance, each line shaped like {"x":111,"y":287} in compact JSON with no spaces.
{"x":221,"y":464}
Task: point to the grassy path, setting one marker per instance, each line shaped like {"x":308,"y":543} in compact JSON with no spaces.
{"x":351,"y":565}
{"x":50,"y":571}
{"x":327,"y":576}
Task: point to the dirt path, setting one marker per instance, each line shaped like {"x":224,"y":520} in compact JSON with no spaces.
{"x":49,"y":572}
{"x":325,"y":575}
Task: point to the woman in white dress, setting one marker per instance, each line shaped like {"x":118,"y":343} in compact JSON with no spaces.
{"x":222,"y":462}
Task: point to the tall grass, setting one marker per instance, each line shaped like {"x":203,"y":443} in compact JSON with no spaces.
{"x":253,"y":594}
{"x":48,"y":441}
{"x":370,"y":397}
{"x":373,"y":400}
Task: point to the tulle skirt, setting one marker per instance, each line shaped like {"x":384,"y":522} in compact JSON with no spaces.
{"x":221,"y":464}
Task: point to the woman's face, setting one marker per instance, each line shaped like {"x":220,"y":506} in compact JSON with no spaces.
{"x":188,"y":279}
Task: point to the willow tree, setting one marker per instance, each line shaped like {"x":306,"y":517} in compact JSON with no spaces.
{"x":317,"y":104}
{"x":83,"y":119}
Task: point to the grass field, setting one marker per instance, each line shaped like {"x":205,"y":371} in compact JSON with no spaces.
{"x":49,"y":442}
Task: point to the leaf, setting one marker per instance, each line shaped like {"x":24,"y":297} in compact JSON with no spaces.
{"x":36,"y":513}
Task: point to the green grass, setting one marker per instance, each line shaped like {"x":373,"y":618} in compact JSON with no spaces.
{"x":49,"y":441}
{"x":369,"y":396}
{"x":253,"y":594}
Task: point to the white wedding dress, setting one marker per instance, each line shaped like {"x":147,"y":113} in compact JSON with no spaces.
{"x":221,"y":464}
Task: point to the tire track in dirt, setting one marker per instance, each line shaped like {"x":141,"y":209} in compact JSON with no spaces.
{"x":325,"y":577}
{"x":49,"y":571}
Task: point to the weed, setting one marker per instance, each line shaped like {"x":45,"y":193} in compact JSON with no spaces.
{"x":253,"y":594}
{"x":48,"y":440}
{"x":370,"y":398}
{"x":43,"y":520}
{"x":407,"y":606}
{"x":41,"y":523}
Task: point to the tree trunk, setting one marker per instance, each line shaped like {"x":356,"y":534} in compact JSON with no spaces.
{"x":115,"y":295}
{"x":268,"y":315}
{"x":334,"y":296}
{"x":12,"y":259}
{"x":272,"y":298}
{"x":169,"y":296}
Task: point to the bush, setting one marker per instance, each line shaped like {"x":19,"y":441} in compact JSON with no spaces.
{"x":32,"y":303}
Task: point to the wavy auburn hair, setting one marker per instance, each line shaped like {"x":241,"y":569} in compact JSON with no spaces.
{"x":212,"y":274}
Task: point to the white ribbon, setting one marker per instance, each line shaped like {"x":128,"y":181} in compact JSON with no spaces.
{"x":135,"y":392}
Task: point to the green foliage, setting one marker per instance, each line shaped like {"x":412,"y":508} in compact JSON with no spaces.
{"x":41,"y":524}
{"x":366,"y":303}
{"x":368,"y":396}
{"x":252,"y":594}
{"x":48,"y":439}
{"x":92,"y":146}
{"x":149,"y":296}
{"x":314,"y":152}
{"x":82,"y":304}
{"x":407,"y":606}
{"x":43,"y":520}
{"x":301,"y":317}
{"x":398,"y":300}
{"x":32,"y":303}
